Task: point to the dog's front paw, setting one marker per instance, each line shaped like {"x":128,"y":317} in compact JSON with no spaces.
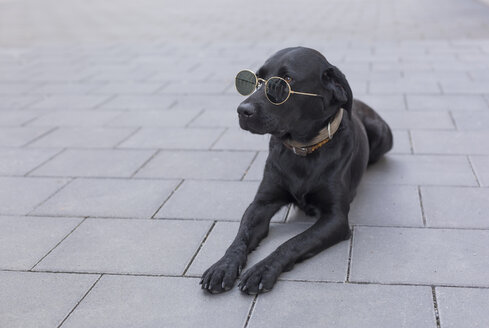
{"x":220,"y":277}
{"x":260,"y":278}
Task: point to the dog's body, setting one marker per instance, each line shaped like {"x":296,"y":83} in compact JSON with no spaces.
{"x":322,"y":183}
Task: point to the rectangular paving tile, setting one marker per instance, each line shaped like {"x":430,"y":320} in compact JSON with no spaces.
{"x":75,"y":118}
{"x":20,"y":136}
{"x":219,"y":165}
{"x":15,"y":161}
{"x":12,"y":102}
{"x":402,"y":142}
{"x":25,"y":240}
{"x":466,"y":208}
{"x":138,"y":102}
{"x":217,"y":102}
{"x":59,"y":88}
{"x":329,"y":265}
{"x":481,"y":168}
{"x":204,"y":87}
{"x":173,"y":138}
{"x":123,"y":301}
{"x":22,"y":195}
{"x":217,"y":118}
{"x":450,"y":142}
{"x":216,"y":200}
{"x":463,"y":307}
{"x":471,"y":120}
{"x":446,"y":102}
{"x":16,"y":117}
{"x":159,"y":118}
{"x":237,"y":139}
{"x":41,"y":300}
{"x":128,"y":246}
{"x":420,"y":256}
{"x":336,"y":305}
{"x":94,"y":163}
{"x":404,"y":86}
{"x":255,"y":172}
{"x":67,"y":102}
{"x":418,"y":120}
{"x":421,"y":170}
{"x":386,"y":205}
{"x":90,"y":137}
{"x":126,"y":88}
{"x":109,"y":198}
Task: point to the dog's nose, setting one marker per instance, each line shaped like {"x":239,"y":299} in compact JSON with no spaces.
{"x":246,"y":110}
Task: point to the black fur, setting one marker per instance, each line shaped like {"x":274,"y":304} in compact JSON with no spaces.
{"x":323,"y":183}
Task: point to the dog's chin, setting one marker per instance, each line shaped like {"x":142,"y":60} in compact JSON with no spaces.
{"x":247,"y":125}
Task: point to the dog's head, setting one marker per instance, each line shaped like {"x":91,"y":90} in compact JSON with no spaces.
{"x":300,"y":117}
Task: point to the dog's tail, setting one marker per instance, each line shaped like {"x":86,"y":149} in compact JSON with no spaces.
{"x":379,"y":134}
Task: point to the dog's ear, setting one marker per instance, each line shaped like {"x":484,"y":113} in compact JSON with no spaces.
{"x":336,"y":82}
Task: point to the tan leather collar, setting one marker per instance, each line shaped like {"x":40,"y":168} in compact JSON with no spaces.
{"x":325,"y":135}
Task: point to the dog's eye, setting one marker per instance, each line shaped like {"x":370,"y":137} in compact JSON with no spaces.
{"x":288,"y":79}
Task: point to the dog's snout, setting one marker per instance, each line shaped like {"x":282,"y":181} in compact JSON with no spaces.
{"x":246,"y":110}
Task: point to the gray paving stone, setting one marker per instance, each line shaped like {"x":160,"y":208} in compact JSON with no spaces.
{"x":446,"y":102}
{"x":127,"y":88}
{"x":128,"y":246}
{"x":205,"y":87}
{"x":15,"y":161}
{"x":402,"y":142}
{"x":13,"y":102}
{"x":473,"y":120}
{"x":463,"y":307}
{"x":421,"y":170}
{"x":237,"y":139}
{"x":386,"y":205}
{"x":22,"y":195}
{"x":299,"y":304}
{"x":173,"y":138}
{"x":217,"y":118}
{"x":67,"y":102}
{"x":420,"y":256}
{"x":156,"y":118}
{"x":214,"y":102}
{"x":123,"y":301}
{"x":16,"y":117}
{"x":450,"y":142}
{"x":404,"y":86}
{"x":89,"y":137}
{"x":481,"y":168}
{"x":466,"y":87}
{"x":384,"y":102}
{"x":329,"y":265}
{"x":20,"y":136}
{"x":255,"y":172}
{"x":25,"y":240}
{"x":138,"y":102}
{"x":94,"y":163}
{"x":75,"y":118}
{"x":108,"y":198}
{"x":216,"y":200}
{"x":456,"y":207}
{"x":65,"y":88}
{"x":198,"y":165}
{"x":40,"y":300}
{"x":418,"y":120}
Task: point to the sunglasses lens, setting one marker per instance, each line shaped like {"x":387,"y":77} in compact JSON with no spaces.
{"x":245,"y":82}
{"x":277,"y":90}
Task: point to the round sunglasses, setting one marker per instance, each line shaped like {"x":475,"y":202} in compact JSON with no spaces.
{"x":277,"y":90}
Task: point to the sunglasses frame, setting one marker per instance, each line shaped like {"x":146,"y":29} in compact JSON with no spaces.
{"x":257,"y":79}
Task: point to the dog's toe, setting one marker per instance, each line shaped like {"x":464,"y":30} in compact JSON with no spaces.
{"x":259,"y":279}
{"x":220,"y":277}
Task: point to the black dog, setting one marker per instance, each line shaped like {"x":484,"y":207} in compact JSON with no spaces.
{"x":306,"y":165}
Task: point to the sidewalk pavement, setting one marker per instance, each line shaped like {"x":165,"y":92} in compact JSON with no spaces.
{"x":124,"y":174}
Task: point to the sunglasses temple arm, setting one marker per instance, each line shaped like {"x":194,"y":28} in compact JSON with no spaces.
{"x":305,"y":94}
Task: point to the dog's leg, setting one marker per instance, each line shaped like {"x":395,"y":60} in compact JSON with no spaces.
{"x":254,"y":227}
{"x":327,"y":231}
